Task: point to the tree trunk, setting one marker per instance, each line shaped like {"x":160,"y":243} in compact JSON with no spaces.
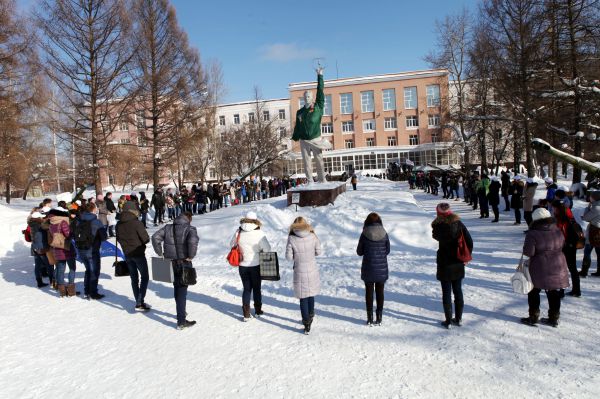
{"x":27,"y":187}
{"x":7,"y":189}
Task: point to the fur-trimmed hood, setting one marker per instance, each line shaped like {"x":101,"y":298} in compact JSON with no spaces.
{"x":446,"y":219}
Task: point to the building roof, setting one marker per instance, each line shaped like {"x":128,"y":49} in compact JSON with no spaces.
{"x":252,"y":102}
{"x":371,"y":79}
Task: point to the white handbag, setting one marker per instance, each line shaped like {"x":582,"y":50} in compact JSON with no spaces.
{"x":521,"y":280}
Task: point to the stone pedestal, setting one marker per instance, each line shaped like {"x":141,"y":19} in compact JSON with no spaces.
{"x":318,"y":194}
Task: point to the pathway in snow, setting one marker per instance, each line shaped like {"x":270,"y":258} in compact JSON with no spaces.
{"x":71,"y":347}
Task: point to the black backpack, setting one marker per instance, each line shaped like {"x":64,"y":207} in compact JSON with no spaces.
{"x":82,"y":234}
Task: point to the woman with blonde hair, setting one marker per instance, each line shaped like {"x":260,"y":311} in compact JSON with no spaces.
{"x":302,"y":247}
{"x":251,"y":240}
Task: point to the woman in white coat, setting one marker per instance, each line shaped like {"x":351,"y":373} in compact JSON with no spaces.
{"x":252,"y":241}
{"x":302,"y":247}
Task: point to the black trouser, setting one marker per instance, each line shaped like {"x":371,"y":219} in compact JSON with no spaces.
{"x":251,"y":281}
{"x":158,"y":214}
{"x":496,"y":211}
{"x":354,"y":186}
{"x":506,"y":202}
{"x":533,"y":299}
{"x":445,"y":191}
{"x":180,"y":293}
{"x":527,"y":216}
{"x":484,"y":209}
{"x":474,"y":199}
{"x":378,"y":287}
{"x":518,"y":215}
{"x":571,"y":256}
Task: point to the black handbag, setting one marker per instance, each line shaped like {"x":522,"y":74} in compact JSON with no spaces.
{"x":185,"y":272}
{"x":121,"y":267}
{"x":269,"y":266}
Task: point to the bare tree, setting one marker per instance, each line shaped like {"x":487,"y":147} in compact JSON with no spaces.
{"x":88,"y":57}
{"x":172,"y":85}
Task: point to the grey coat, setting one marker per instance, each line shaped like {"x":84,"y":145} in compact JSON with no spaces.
{"x":102,"y":212}
{"x":187,"y":240}
{"x":529,"y":196}
{"x":302,"y":247}
{"x":547,"y":263}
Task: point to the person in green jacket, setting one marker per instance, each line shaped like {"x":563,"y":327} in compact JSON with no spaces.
{"x":482,"y":187}
{"x":308,"y":130}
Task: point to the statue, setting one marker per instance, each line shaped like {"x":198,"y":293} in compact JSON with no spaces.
{"x":308,"y":130}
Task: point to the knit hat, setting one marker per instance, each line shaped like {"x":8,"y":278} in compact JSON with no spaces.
{"x":129,"y":206}
{"x":529,"y":180}
{"x":549,"y":180}
{"x":251,"y":215}
{"x":540,"y":213}
{"x":443,"y":209}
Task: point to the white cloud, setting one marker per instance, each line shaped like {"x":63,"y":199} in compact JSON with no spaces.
{"x":285,"y":52}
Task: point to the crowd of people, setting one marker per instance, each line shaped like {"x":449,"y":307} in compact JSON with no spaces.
{"x":63,"y":233}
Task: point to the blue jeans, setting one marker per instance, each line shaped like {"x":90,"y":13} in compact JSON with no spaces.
{"x":72,"y":268}
{"x":59,"y":272}
{"x":91,"y":261}
{"x":307,"y":307}
{"x":251,"y":281}
{"x":587,"y":253}
{"x":452,"y":286}
{"x":144,"y":218}
{"x":138,"y":263}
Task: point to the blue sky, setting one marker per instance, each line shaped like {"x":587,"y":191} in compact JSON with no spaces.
{"x":271,"y":43}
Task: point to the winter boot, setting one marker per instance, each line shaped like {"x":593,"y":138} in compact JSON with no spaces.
{"x":551,"y":320}
{"x":311,"y":317}
{"x":369,"y":318}
{"x":533,"y":318}
{"x":40,"y":283}
{"x":246,"y":310}
{"x":458,"y":310}
{"x":585,"y":267}
{"x":53,"y":284}
{"x":378,"y":316}
{"x":62,"y":290}
{"x":448,"y":313}
{"x":71,"y":290}
{"x":306,"y":324}
{"x":258,"y":309}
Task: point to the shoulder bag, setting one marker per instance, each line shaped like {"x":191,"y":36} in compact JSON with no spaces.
{"x":234,"y":257}
{"x":462,"y":253}
{"x":521,"y":280}
{"x":121,"y":267}
{"x":269,"y":266}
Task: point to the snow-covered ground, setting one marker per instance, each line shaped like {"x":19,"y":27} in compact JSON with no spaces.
{"x":59,"y":348}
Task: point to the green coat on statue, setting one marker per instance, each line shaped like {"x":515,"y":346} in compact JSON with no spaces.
{"x":308,"y":120}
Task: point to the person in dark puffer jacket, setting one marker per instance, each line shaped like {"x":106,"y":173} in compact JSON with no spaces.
{"x":133,"y":238}
{"x":374,"y":247}
{"x":447,"y":228}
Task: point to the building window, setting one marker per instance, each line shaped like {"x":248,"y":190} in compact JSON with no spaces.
{"x":433,"y":95}
{"x":434,"y":120}
{"x":222,"y":136}
{"x":123,"y":126}
{"x":282,"y":114}
{"x":327,"y":106}
{"x":368,"y":125}
{"x":392,"y":141}
{"x":434,"y":137}
{"x":346,"y":103}
{"x":413,"y":139}
{"x":125,"y":141}
{"x":349,"y":143}
{"x":370,"y":142}
{"x":412,"y":122}
{"x":410,"y":97}
{"x":140,"y":120}
{"x":266,"y":116}
{"x":347,"y":126}
{"x":236,"y":119}
{"x":390,"y":123}
{"x":221,"y":120}
{"x":251,"y":117}
{"x":366,"y":101}
{"x":326,"y":128}
{"x":141,"y":141}
{"x":389,"y":99}
{"x":282,"y":132}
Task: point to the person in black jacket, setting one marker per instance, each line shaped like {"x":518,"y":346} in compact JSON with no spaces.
{"x":374,"y":247}
{"x":516,"y":198}
{"x":180,"y":243}
{"x":132,"y":236}
{"x":505,"y":179}
{"x":447,"y":229}
{"x":158,"y":202}
{"x":494,"y":197}
{"x":112,"y":209}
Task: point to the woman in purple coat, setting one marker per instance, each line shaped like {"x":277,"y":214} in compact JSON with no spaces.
{"x":547,"y":265}
{"x":374,"y":247}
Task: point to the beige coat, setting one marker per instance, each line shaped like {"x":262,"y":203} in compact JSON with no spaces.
{"x":302,"y":247}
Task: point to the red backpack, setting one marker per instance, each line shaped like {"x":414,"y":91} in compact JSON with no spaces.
{"x":27,"y":234}
{"x":463,"y":254}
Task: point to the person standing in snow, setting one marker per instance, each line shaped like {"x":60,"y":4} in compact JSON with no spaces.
{"x":302,"y":247}
{"x":112,"y":210}
{"x":482,"y":189}
{"x":565,"y":222}
{"x":505,"y":179}
{"x":133,"y":237}
{"x":180,"y":243}
{"x":353,"y":181}
{"x":88,"y":235}
{"x":251,"y":240}
{"x":374,"y":247}
{"x":447,"y":229}
{"x":516,"y":198}
{"x":60,"y":241}
{"x":528,"y":199}
{"x":592,"y":234}
{"x":39,"y":247}
{"x":494,"y":197}
{"x":547,"y":266}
